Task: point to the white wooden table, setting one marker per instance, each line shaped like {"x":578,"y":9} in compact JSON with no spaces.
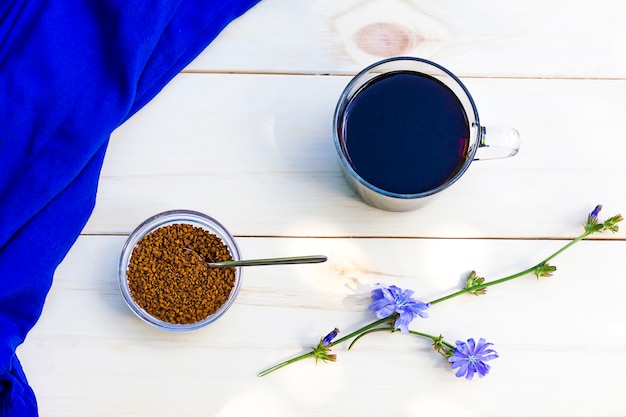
{"x":244,"y":135}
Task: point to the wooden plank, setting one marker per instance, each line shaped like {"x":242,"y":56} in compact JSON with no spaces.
{"x":557,"y":337}
{"x":522,"y":38}
{"x":256,"y":152}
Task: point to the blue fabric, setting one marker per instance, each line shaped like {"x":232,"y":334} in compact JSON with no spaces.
{"x":72,"y":71}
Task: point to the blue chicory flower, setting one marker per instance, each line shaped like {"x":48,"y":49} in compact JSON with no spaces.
{"x":470,"y":358}
{"x":389,"y":300}
{"x":328,"y":339}
{"x":595,"y":212}
{"x":592,"y":225}
{"x":322,"y":351}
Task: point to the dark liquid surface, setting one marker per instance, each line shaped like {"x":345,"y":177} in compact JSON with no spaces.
{"x":405,"y":133}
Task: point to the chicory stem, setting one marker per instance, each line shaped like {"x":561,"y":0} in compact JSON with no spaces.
{"x":285,"y":363}
{"x":477,"y":287}
{"x":364,"y":329}
{"x":340,"y":340}
{"x":433,"y":338}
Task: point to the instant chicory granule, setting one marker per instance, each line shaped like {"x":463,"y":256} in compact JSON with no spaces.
{"x":173,"y":284}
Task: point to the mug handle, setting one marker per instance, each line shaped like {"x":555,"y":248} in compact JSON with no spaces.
{"x":497,"y":142}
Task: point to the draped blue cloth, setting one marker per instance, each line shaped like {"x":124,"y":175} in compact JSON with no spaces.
{"x":72,"y":71}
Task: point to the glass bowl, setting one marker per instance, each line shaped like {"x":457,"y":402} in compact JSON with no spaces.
{"x":165,"y":219}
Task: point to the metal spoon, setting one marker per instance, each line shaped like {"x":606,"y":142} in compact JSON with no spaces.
{"x":267,"y":261}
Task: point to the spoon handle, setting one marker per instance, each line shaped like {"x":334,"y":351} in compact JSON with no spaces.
{"x":272,"y":261}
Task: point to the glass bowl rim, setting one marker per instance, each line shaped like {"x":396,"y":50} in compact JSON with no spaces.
{"x":166,"y":218}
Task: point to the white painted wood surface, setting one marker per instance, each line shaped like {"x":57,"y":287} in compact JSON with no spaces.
{"x":517,"y":38}
{"x":244,"y":135}
{"x":256,"y":152}
{"x":559,"y":339}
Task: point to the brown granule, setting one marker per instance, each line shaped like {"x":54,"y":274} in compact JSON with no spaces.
{"x":174,"y":285}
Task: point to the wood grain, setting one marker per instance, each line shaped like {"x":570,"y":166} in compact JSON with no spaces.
{"x":558,"y":338}
{"x":244,"y":135}
{"x":256,"y":152}
{"x":522,"y":38}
